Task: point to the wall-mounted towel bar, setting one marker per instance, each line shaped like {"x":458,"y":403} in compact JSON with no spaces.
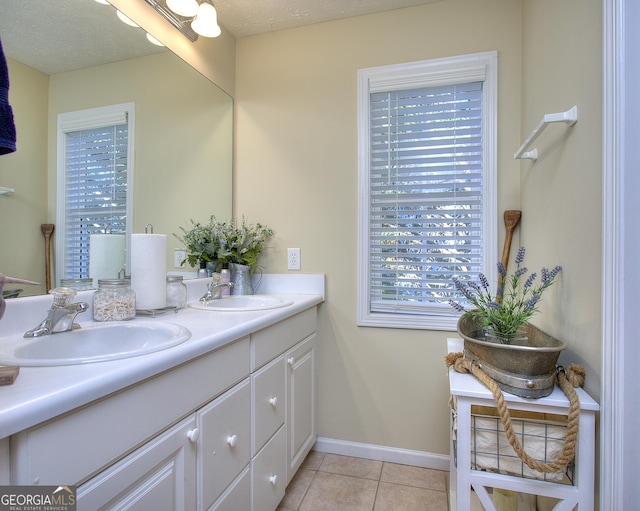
{"x":6,"y":191}
{"x":569,"y":117}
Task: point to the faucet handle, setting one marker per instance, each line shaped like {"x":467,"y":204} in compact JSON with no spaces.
{"x":62,"y":296}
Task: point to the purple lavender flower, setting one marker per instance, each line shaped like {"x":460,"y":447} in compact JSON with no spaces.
{"x":474,"y":286}
{"x":484,"y":281}
{"x":530,"y":280}
{"x":520,"y":256}
{"x":457,"y":306}
{"x":531,"y":302}
{"x":520,"y":272}
{"x":502,"y":270}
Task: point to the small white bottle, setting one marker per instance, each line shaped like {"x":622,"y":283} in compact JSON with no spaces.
{"x":226,"y":277}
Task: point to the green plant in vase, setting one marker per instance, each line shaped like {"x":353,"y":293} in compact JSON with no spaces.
{"x":200,"y":243}
{"x":241,"y":244}
{"x":514,"y":303}
{"x":220,"y":242}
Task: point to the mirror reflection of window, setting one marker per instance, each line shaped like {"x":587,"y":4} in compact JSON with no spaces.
{"x":95,"y":176}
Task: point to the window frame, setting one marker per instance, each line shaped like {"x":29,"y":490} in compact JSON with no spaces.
{"x":442,"y":71}
{"x":84,"y":120}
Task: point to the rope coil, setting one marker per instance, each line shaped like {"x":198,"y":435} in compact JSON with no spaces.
{"x":568,"y":378}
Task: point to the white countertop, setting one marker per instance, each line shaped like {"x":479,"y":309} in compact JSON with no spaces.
{"x":41,"y":393}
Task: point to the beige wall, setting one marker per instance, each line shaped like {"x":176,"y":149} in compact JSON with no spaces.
{"x":21,"y":214}
{"x":296,"y":171}
{"x":561,"y":192}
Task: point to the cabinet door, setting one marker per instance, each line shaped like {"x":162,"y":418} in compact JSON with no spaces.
{"x":269,"y":403}
{"x":160,"y":475}
{"x":301,"y":423}
{"x":224,"y":446}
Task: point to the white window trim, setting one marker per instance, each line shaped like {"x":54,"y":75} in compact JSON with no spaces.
{"x":88,"y":119}
{"x":449,"y":70}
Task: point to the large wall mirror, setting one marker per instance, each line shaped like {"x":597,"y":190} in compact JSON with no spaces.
{"x":183,"y":130}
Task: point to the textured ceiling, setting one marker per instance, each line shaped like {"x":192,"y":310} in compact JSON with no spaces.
{"x":249,"y":17}
{"x":61,"y":35}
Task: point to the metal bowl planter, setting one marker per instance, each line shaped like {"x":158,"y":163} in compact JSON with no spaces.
{"x":526,"y":368}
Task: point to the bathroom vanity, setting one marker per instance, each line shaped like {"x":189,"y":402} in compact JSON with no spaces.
{"x":222,"y":421}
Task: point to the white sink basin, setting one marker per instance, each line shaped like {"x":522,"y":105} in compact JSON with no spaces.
{"x":94,"y":342}
{"x":242,"y":303}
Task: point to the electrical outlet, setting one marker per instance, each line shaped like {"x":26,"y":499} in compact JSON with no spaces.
{"x":293,"y":258}
{"x":179,"y":255}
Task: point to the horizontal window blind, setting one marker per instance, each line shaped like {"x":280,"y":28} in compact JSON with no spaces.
{"x":96,"y":166}
{"x":426,"y":193}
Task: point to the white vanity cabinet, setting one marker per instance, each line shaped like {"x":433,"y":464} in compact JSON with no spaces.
{"x":289,"y":344}
{"x":223,"y":432}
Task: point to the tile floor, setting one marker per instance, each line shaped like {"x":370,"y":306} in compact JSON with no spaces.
{"x":328,"y":482}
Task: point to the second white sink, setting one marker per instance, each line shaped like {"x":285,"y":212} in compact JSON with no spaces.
{"x":242,"y":303}
{"x":94,"y":342}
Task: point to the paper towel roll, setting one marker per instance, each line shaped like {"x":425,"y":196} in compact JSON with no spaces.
{"x":106,"y":256}
{"x":149,"y":270}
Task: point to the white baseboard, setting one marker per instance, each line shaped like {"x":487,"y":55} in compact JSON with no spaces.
{"x":382,"y":453}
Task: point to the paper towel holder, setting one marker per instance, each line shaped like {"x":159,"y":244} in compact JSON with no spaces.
{"x":146,"y":229}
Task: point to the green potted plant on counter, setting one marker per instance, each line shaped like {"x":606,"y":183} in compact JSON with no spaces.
{"x":218,"y":243}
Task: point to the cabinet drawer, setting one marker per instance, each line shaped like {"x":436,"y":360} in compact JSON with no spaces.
{"x":269,"y":473}
{"x":269,"y":404}
{"x":106,"y":430}
{"x":159,"y":475}
{"x":238,"y":496}
{"x":225,"y":441}
{"x":274,"y":340}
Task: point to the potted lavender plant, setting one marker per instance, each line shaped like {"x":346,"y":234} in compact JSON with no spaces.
{"x":497,"y":333}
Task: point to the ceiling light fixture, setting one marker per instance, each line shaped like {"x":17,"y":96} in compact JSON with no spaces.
{"x":191,"y":17}
{"x":126,"y":19}
{"x":153,"y":40}
{"x":188,"y":8}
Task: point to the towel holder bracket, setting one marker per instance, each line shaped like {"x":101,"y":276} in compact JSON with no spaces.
{"x":570,"y":117}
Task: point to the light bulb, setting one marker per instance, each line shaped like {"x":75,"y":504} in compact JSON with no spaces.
{"x":154,"y":40}
{"x":126,"y":20}
{"x":188,"y":8}
{"x":206,"y":21}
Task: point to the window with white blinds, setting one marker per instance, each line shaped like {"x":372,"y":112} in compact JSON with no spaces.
{"x":424,"y":190}
{"x":94,"y":182}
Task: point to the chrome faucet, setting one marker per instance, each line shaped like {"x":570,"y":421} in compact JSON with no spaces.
{"x":62,"y":314}
{"x":214,"y":289}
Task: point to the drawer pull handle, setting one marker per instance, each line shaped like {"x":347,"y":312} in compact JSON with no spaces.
{"x":232,"y":440}
{"x":193,"y":435}
{"x":273,"y":479}
{"x":273,"y":401}
{"x":291,"y":361}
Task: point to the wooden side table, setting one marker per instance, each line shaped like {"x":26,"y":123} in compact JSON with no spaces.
{"x":468,"y":391}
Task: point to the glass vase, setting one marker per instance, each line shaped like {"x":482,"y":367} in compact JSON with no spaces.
{"x":519,"y":337}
